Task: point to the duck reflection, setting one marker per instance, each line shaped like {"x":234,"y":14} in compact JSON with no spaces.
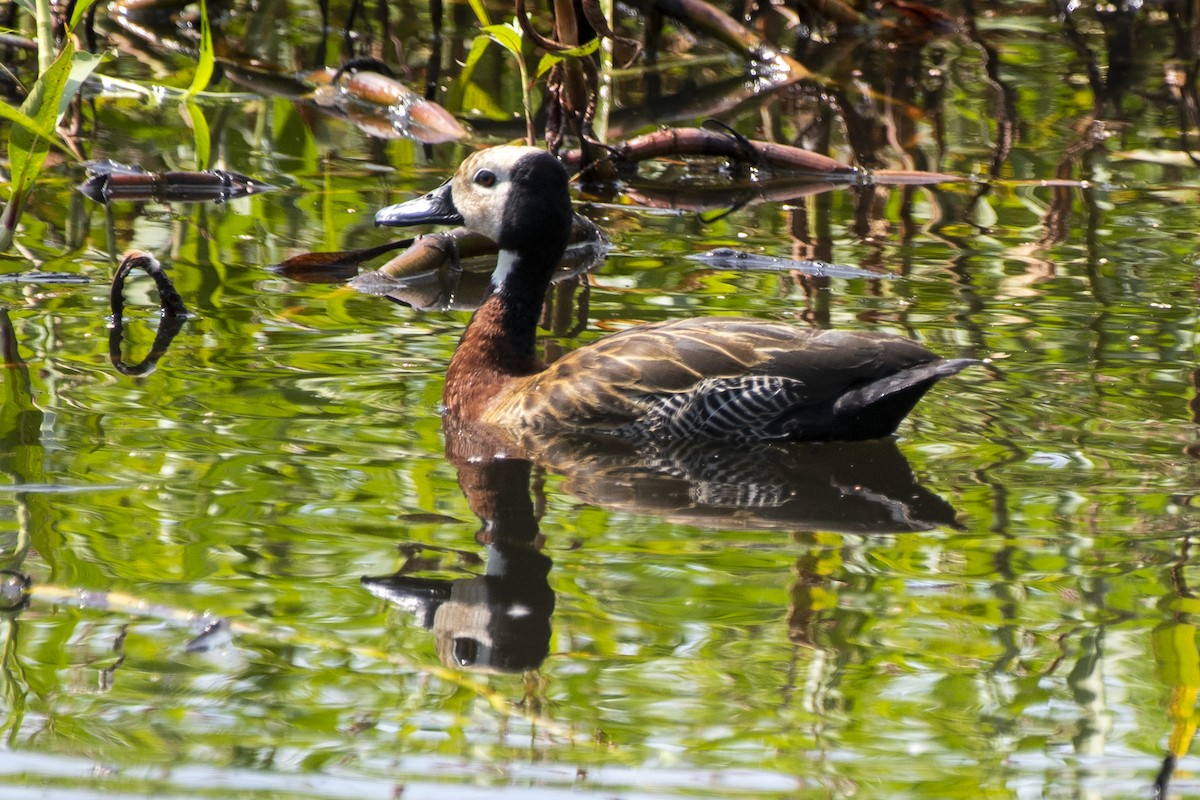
{"x":500,"y":621}
{"x":844,"y":487}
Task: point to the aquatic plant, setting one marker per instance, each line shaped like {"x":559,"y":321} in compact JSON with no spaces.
{"x":35,"y":123}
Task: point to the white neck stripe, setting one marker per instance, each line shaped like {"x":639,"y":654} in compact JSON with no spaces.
{"x":504,"y":267}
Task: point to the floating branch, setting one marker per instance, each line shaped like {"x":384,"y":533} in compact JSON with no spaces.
{"x":332,"y":267}
{"x":431,"y":273}
{"x":908,"y":177}
{"x":111,"y":181}
{"x":729,"y":258}
{"x":381,"y":105}
{"x":172,"y":303}
{"x":37,"y":277}
{"x":173,"y":313}
{"x":434,"y":252}
{"x":776,"y":158}
{"x":699,"y":142}
{"x":362,"y":90}
{"x":702,"y":198}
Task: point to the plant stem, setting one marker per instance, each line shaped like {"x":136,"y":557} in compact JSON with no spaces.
{"x":527,"y":100}
{"x":45,"y":36}
{"x":604,"y":92}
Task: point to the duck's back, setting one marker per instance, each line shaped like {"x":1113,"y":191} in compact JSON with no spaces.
{"x":727,"y":378}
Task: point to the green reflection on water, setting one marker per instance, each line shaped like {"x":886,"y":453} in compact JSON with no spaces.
{"x":289,"y":443}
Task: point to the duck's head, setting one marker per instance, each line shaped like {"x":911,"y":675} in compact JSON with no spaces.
{"x":515,"y":196}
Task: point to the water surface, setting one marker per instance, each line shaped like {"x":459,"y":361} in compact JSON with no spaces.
{"x":1010,"y":617}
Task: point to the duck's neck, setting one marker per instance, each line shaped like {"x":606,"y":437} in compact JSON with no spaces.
{"x":501,"y":341}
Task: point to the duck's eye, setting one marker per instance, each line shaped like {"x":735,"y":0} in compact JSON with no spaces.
{"x":485,"y":178}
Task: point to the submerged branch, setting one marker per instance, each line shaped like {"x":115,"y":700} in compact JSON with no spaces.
{"x":698,"y":142}
{"x":431,"y":273}
{"x":174,"y":314}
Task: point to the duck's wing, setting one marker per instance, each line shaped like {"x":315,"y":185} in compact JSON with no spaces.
{"x":717,"y":378}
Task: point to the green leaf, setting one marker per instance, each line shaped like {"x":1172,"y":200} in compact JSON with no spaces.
{"x":28,"y":143}
{"x":582,"y":50}
{"x":82,"y":66}
{"x":478,"y":46}
{"x":196,"y":120}
{"x":81,"y":8}
{"x":204,"y":69}
{"x":480,"y":12}
{"x":547,"y":63}
{"x":27,"y":147}
{"x":27,"y":5}
{"x":15,"y":116}
{"x":550,"y":59}
{"x":478,"y":100}
{"x":507,"y":36}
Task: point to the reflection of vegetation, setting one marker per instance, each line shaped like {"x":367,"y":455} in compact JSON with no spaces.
{"x":191,"y":112}
{"x":13,"y":686}
{"x":22,"y":461}
{"x":34,"y":123}
{"x":292,"y":435}
{"x":20,"y":442}
{"x":1177,"y":660}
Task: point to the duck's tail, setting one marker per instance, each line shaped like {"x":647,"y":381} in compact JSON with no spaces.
{"x":881,"y":405}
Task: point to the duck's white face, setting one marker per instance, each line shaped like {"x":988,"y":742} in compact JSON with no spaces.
{"x":482,"y":186}
{"x":516,"y":196}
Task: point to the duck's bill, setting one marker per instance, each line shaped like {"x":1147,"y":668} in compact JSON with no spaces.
{"x":432,"y":208}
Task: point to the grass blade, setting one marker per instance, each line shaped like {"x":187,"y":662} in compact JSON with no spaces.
{"x":29,"y":144}
{"x":81,"y":8}
{"x":196,"y":120}
{"x":480,"y":12}
{"x":204,"y":69}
